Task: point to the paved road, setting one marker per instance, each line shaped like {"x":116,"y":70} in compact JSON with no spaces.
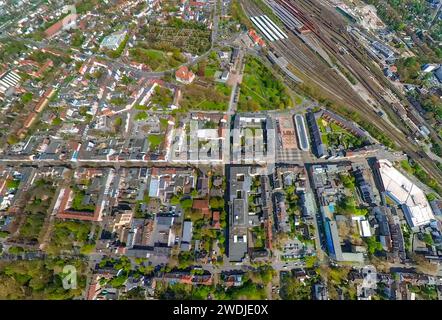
{"x":237,"y":81}
{"x":380,"y":153}
{"x":245,"y":266}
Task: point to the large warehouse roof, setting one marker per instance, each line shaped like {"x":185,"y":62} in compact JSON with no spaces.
{"x":413,"y":200}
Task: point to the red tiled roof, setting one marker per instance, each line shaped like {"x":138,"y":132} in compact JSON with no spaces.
{"x":56,"y":27}
{"x":257,"y":39}
{"x":202,"y":205}
{"x":183,"y":73}
{"x":30,"y":119}
{"x":196,"y":3}
{"x":93,"y":289}
{"x":48,"y":64}
{"x":215,"y":220}
{"x":44,"y":100}
{"x":65,"y":213}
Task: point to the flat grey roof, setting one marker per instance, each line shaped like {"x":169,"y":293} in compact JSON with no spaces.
{"x":239,"y":211}
{"x":237,"y":251}
{"x":187,"y":231}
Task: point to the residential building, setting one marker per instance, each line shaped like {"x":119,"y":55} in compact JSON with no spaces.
{"x":184,"y":75}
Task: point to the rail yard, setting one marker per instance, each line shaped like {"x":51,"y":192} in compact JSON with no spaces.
{"x":318,"y":29}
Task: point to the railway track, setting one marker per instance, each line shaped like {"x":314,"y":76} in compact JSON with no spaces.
{"x":313,"y":68}
{"x":360,"y":56}
{"x":362,"y":75}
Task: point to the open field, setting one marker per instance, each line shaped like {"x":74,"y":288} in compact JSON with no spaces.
{"x":198,"y":97}
{"x":157,"y":60}
{"x":260,"y":90}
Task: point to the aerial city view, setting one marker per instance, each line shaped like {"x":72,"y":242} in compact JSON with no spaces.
{"x":220,"y":150}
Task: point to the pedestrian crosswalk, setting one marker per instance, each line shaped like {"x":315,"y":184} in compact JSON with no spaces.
{"x":289,"y":155}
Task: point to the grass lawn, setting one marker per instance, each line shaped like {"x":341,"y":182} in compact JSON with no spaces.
{"x":141,"y":107}
{"x":162,"y":97}
{"x":223,"y":89}
{"x":259,"y":237}
{"x":260,"y":90}
{"x":338,"y":136}
{"x":155,"y":140}
{"x":12,"y":183}
{"x":154,"y":54}
{"x":336,"y":128}
{"x":157,"y":60}
{"x":197,"y":97}
{"x":299,"y":100}
{"x":248,"y":290}
{"x":30,"y":230}
{"x":322,"y":124}
{"x":209,"y":72}
{"x":209,"y":66}
{"x":67,"y":235}
{"x":140,"y":116}
{"x":348,"y":206}
{"x":164,"y":123}
{"x":77,"y":202}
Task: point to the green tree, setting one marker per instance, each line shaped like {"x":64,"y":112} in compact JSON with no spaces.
{"x":186,"y":203}
{"x":293,"y":289}
{"x":26,"y":97}
{"x":216,"y":203}
{"x":373,"y":245}
{"x":175,"y":200}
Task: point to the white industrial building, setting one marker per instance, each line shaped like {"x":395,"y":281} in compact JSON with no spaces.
{"x":363,"y":226}
{"x":400,"y":189}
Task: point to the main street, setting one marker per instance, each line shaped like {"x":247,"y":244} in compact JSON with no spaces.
{"x":377,"y":151}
